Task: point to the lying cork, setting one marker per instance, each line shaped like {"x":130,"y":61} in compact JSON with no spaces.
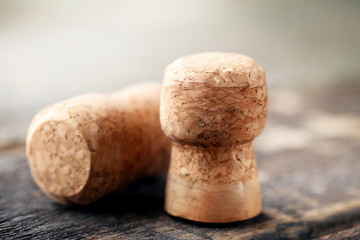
{"x":212,"y":106}
{"x":86,"y":147}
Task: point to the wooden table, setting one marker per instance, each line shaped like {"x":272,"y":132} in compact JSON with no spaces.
{"x":309,"y":171}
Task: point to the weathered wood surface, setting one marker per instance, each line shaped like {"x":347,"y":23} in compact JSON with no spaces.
{"x":309,"y":172}
{"x":352,"y":233}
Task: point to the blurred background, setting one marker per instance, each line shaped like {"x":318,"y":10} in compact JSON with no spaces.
{"x":52,"y":50}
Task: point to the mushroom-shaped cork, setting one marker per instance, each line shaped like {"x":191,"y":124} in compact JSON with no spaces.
{"x":212,"y":107}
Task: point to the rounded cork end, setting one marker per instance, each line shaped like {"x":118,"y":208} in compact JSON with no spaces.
{"x":203,"y":202}
{"x":217,"y":69}
{"x":59,"y":159}
{"x":214,"y":98}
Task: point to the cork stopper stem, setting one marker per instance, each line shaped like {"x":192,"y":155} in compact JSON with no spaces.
{"x":209,"y":184}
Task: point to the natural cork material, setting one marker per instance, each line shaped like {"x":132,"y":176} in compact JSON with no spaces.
{"x":86,"y":147}
{"x":212,"y":106}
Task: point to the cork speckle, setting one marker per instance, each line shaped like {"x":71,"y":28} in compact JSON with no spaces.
{"x":212,"y":106}
{"x":90,"y":146}
{"x":61,"y":173}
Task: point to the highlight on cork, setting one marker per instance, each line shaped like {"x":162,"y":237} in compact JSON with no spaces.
{"x":212,"y":107}
{"x":87,"y":147}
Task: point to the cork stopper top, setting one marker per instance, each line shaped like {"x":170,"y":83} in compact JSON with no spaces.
{"x":215,"y":69}
{"x":213,"y":99}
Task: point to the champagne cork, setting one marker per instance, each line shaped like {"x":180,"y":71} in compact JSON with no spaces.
{"x":87,"y":147}
{"x":212,"y":107}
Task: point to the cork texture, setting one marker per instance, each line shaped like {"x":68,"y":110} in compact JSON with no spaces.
{"x":214,"y":165}
{"x":212,"y":106}
{"x":217,"y":99}
{"x":90,"y":146}
{"x":213,"y":203}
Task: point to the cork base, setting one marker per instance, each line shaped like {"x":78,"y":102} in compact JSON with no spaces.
{"x":212,"y":203}
{"x":213,"y":184}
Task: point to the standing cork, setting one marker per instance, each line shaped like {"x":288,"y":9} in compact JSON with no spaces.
{"x":212,"y":106}
{"x":90,"y":146}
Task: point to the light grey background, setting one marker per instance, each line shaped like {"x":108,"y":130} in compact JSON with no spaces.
{"x":52,"y":50}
